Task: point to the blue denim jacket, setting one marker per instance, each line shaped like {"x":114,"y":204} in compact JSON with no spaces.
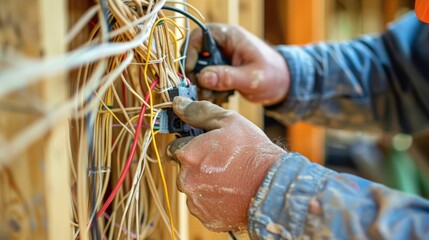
{"x":375,"y":82}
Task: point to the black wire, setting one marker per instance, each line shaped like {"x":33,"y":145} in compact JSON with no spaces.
{"x":190,"y":16}
{"x":232,"y":235}
{"x":95,"y":231}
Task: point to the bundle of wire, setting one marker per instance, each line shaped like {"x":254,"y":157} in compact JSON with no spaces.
{"x":125,"y":194}
{"x":124,"y":71}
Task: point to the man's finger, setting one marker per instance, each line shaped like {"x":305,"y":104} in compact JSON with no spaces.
{"x":195,"y":41}
{"x":177,"y":145}
{"x":200,"y":114}
{"x":223,"y":78}
{"x":191,"y":59}
{"x":227,"y":37}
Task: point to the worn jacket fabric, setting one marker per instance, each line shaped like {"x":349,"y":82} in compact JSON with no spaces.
{"x":375,"y":82}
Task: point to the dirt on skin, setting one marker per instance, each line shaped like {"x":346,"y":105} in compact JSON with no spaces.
{"x":221,"y":170}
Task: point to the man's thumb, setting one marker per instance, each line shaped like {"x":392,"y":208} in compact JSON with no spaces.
{"x":200,"y":114}
{"x":177,"y":145}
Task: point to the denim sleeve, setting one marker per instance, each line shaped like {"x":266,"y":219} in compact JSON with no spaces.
{"x":374,"y":82}
{"x":303,"y":200}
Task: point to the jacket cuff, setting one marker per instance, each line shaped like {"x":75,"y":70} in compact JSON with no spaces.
{"x":301,"y":99}
{"x":280,"y":207}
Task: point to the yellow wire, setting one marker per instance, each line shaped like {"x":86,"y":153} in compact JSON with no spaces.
{"x":110,"y":111}
{"x":176,"y":40}
{"x":152,"y":116}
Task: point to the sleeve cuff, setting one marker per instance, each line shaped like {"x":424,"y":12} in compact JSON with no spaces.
{"x":280,"y":207}
{"x":301,"y":99}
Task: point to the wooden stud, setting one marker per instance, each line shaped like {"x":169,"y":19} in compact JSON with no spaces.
{"x":305,"y":138}
{"x":372,"y":20}
{"x":251,"y":17}
{"x":34,"y":185}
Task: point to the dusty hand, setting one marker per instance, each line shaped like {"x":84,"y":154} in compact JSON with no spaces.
{"x":221,"y":170}
{"x":258,"y":72}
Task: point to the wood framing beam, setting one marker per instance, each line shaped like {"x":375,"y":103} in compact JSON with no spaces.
{"x":305,"y":21}
{"x":372,"y":19}
{"x":251,"y":17}
{"x":34,"y":185}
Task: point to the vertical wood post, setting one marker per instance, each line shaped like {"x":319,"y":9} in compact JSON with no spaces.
{"x":305,"y":23}
{"x":34,"y":185}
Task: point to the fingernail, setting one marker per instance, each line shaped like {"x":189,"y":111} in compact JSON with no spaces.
{"x":180,"y":103}
{"x":209,"y":79}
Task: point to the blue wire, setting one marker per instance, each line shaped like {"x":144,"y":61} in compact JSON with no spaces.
{"x":186,"y":44}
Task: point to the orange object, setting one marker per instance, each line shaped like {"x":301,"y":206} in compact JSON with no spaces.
{"x":422,"y":10}
{"x":206,"y":54}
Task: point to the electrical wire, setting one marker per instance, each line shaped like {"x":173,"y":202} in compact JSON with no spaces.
{"x":115,"y":101}
{"x":82,"y":23}
{"x":151,"y":122}
{"x":130,"y":158}
{"x":190,"y":16}
{"x":186,"y":44}
{"x":24,"y":73}
{"x":232,"y":235}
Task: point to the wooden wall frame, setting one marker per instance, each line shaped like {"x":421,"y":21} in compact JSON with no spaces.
{"x":34,"y":189}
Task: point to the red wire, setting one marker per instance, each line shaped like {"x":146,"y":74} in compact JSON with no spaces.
{"x":187,"y":79}
{"x":92,"y":23}
{"x":130,"y":156}
{"x":124,"y":94}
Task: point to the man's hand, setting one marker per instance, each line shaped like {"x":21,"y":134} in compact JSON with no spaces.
{"x":258,"y":72}
{"x":221,"y":170}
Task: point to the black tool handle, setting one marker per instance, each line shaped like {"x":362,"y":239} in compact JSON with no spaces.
{"x":211,"y":55}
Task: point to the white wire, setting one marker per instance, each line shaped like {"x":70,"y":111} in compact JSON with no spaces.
{"x":151,"y":61}
{"x":23,"y":74}
{"x":82,"y":22}
{"x":162,"y":90}
{"x":140,"y":98}
{"x":139,"y":21}
{"x":37,"y":129}
{"x":20,"y":76}
{"x":135,"y":186}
